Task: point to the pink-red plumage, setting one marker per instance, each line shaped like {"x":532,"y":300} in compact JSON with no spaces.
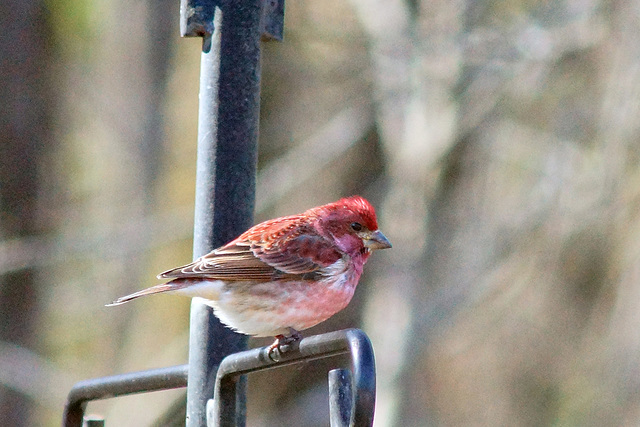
{"x":287,"y":273}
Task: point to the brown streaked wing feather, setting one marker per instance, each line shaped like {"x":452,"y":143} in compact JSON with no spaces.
{"x":282,"y":248}
{"x":226,"y":263}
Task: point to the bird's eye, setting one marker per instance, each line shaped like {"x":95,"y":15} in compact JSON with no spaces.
{"x":356,"y":226}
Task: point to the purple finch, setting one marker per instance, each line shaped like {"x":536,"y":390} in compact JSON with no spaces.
{"x":283,"y":275}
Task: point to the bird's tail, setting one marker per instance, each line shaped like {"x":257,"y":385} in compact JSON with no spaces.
{"x":165,"y":287}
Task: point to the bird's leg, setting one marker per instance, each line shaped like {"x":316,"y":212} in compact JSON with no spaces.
{"x":284,"y":344}
{"x":292,"y":340}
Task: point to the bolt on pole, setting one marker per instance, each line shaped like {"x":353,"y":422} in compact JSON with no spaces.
{"x":231,"y":31}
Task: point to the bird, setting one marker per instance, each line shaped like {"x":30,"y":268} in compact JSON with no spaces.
{"x":284,"y":275}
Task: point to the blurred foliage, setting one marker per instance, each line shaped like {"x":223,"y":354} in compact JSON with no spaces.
{"x":499,"y":142}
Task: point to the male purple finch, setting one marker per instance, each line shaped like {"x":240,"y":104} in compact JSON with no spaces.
{"x":283,"y":275}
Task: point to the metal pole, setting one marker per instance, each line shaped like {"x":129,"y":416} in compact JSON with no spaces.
{"x":225,"y":182}
{"x":226,"y":165}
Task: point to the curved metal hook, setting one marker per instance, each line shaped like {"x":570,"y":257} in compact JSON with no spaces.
{"x":357,"y":405}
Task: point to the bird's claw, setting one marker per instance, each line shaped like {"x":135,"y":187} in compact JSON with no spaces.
{"x":284,"y":344}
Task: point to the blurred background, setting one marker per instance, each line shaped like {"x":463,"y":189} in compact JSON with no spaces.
{"x":499,"y":141}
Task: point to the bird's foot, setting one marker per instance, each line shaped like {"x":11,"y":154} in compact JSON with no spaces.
{"x":284,"y":344}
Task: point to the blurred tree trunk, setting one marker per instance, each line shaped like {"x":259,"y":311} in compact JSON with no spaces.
{"x":486,"y":114}
{"x":415,"y":61}
{"x":25,"y":112}
{"x":147,"y":31}
{"x":115,"y":104}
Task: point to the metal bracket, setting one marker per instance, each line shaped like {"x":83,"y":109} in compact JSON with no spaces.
{"x":352,"y":393}
{"x":272,"y":21}
{"x":120,"y":385}
{"x":196,"y":18}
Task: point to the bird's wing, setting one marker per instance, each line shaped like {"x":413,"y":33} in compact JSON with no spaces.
{"x":285,"y":248}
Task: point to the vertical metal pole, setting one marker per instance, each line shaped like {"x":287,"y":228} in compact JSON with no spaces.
{"x":225,"y":183}
{"x":226,"y":165}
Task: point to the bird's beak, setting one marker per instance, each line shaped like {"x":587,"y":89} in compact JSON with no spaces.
{"x":376,"y":240}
